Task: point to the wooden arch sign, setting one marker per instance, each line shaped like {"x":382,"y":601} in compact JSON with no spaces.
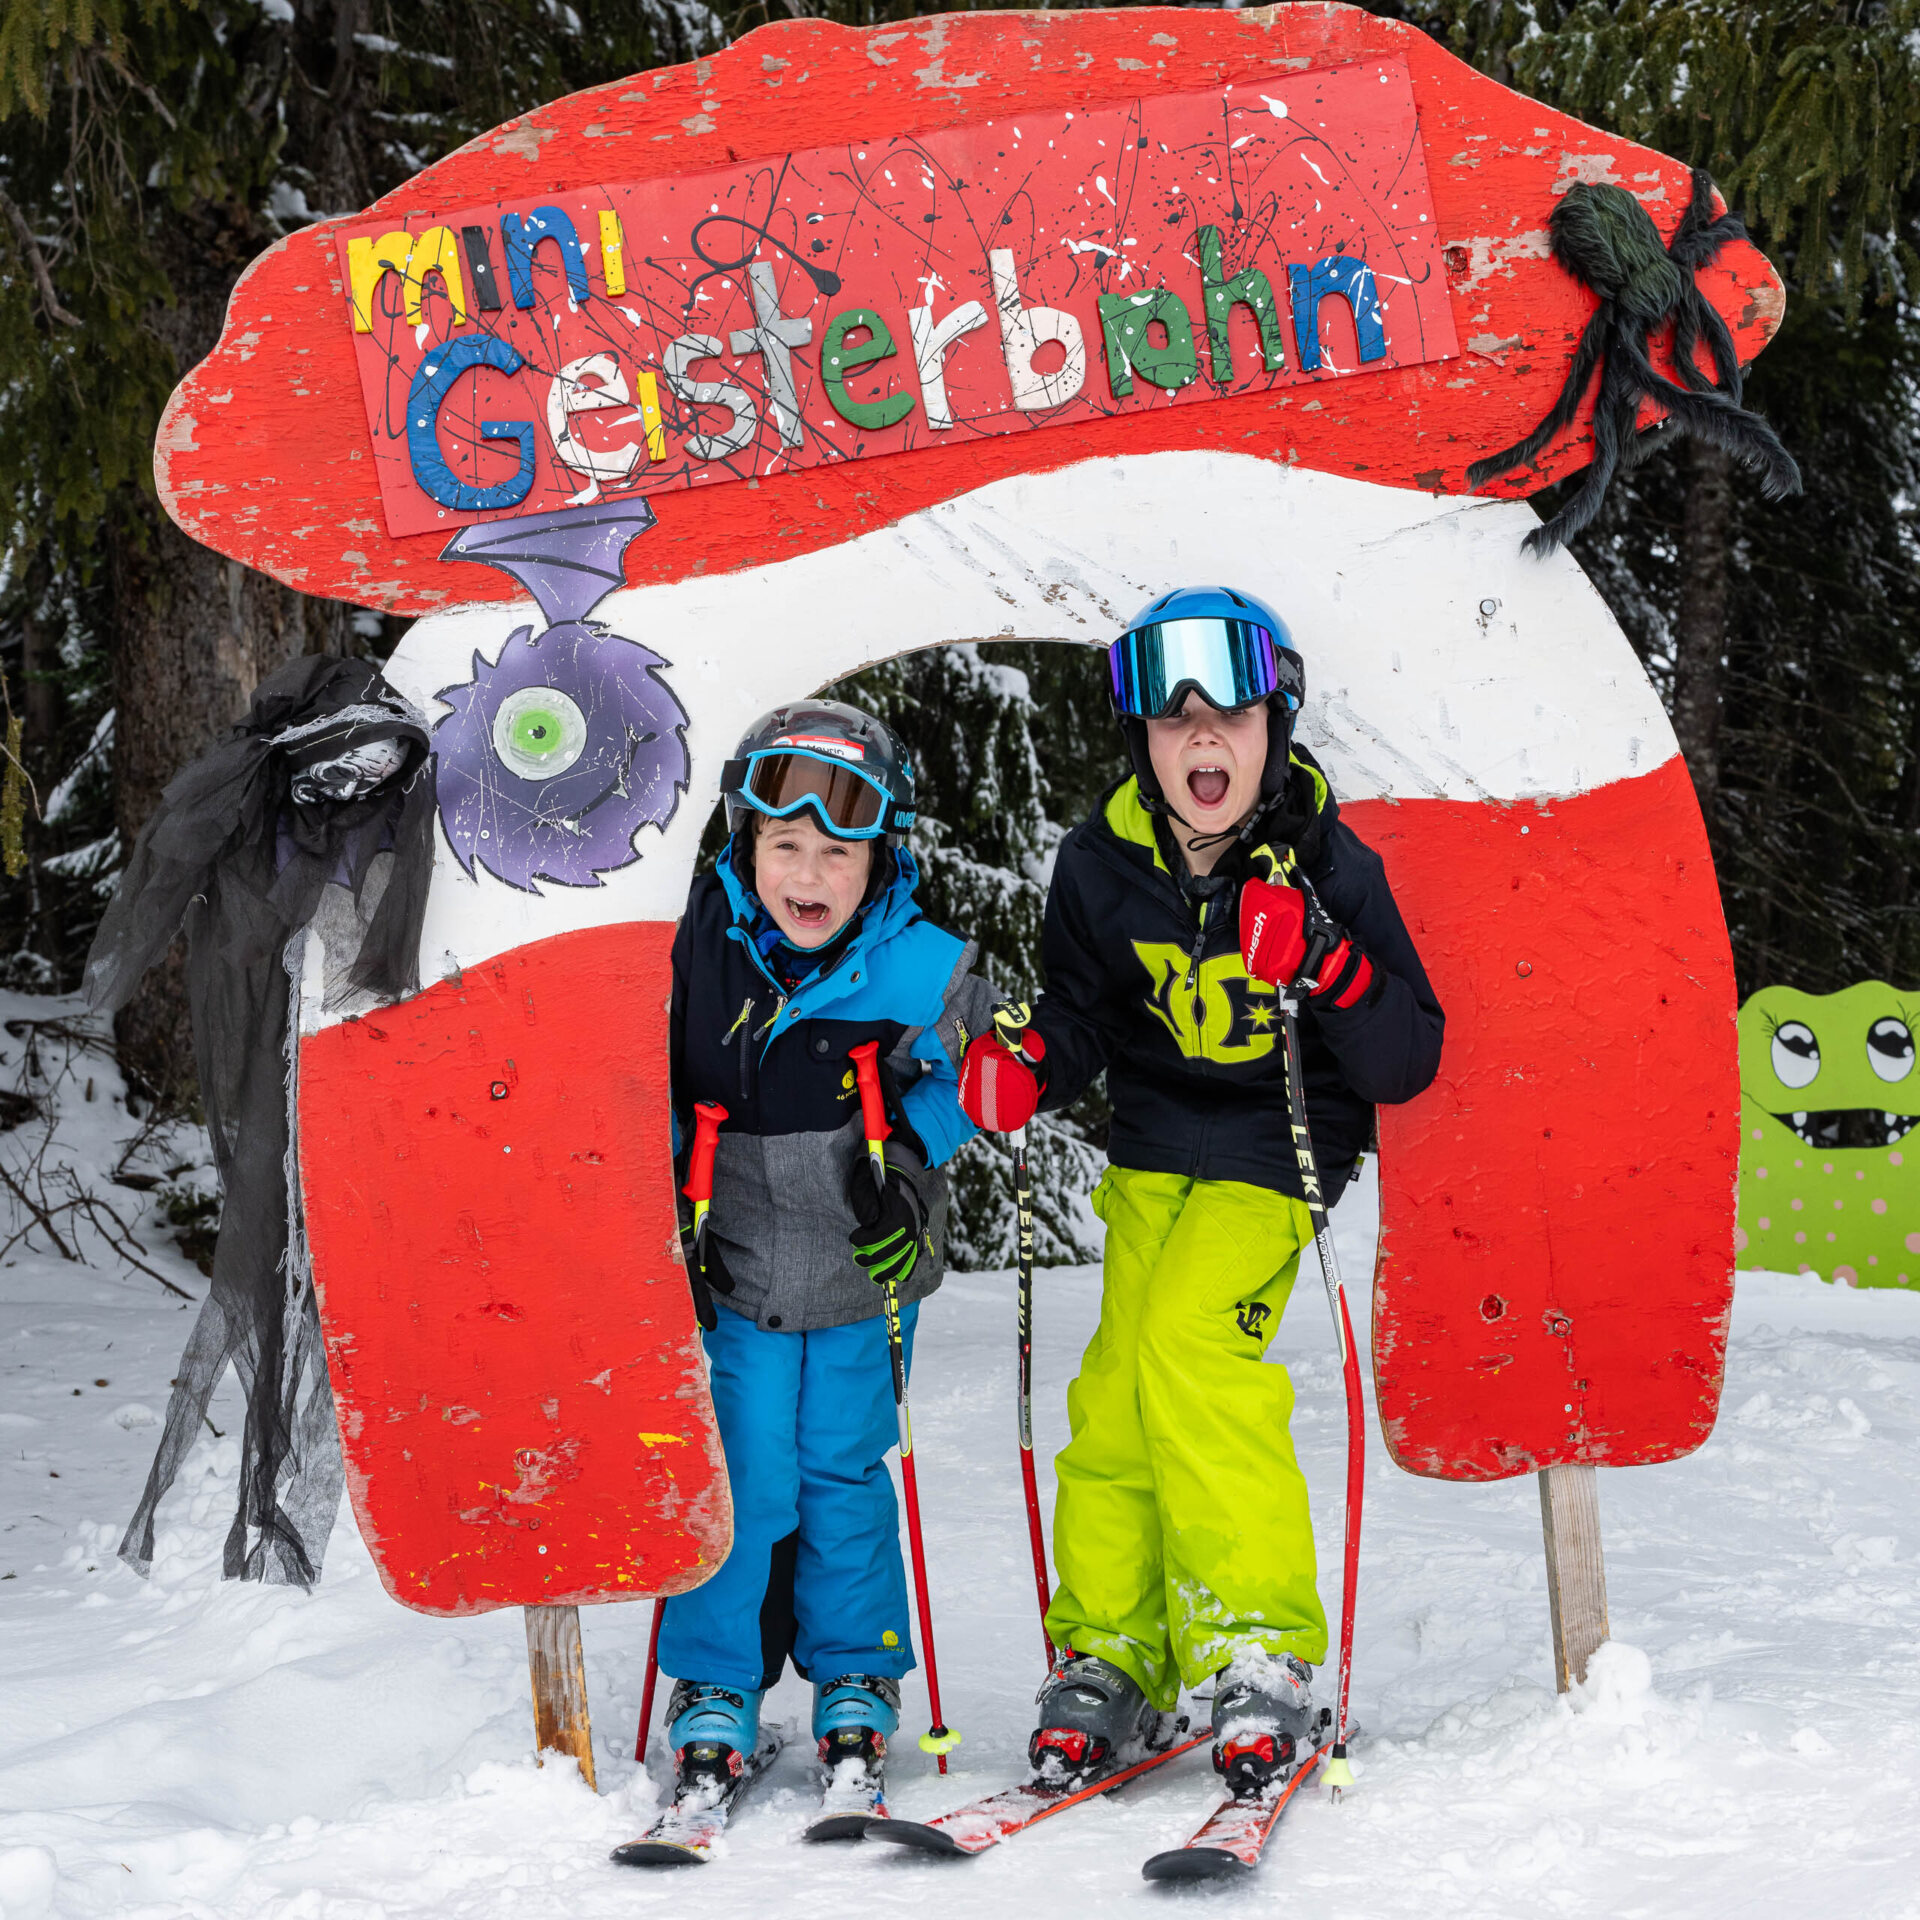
{"x":1076,"y":306}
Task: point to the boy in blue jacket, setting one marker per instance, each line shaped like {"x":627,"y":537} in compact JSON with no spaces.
{"x":803,"y":943}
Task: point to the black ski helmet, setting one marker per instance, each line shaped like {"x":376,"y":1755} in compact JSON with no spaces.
{"x":1237,"y":611}
{"x":854,"y":751}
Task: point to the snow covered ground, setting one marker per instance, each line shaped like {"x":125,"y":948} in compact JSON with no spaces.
{"x":1750,"y":1744}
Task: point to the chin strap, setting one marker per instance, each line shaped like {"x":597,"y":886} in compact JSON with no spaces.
{"x":1243,"y":833}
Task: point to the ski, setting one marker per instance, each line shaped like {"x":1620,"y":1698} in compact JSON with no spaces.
{"x":854,"y":1794}
{"x":684,"y":1835}
{"x":1230,"y":1840}
{"x":999,"y":1816}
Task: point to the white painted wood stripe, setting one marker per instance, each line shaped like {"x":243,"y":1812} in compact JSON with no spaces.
{"x":1442,"y":662}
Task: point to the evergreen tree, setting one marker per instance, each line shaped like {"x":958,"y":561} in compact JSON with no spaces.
{"x":985,"y":841}
{"x":148,"y":150}
{"x":1784,"y":636}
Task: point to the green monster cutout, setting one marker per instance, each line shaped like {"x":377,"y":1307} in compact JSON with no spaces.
{"x":1829,"y":1182}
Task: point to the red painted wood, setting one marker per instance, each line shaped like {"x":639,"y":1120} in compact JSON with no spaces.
{"x":1558,"y":1209}
{"x":263,"y":453}
{"x":512,"y":1345}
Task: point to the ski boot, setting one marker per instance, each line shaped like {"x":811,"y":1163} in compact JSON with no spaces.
{"x":714,"y":1732}
{"x":1092,"y":1714}
{"x":1264,"y":1722}
{"x":852,"y":1717}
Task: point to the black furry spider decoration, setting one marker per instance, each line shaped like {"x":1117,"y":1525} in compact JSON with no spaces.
{"x":1606,"y":239}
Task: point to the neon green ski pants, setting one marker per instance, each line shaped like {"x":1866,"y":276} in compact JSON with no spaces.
{"x":1181,"y":1530}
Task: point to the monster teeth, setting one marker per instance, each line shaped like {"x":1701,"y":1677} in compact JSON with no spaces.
{"x":1799,"y":1119}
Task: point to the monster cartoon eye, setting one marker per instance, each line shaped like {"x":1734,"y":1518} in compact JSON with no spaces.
{"x":1796,"y":1053}
{"x":539,"y":784}
{"x":539,"y":732}
{"x":1889,"y":1049}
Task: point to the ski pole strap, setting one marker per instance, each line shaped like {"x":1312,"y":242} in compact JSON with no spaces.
{"x":1274,"y":864}
{"x":1011,"y":1020}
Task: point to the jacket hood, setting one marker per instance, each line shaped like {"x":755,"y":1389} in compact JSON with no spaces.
{"x":886,"y":913}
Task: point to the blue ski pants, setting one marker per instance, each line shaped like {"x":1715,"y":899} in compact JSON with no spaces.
{"x":815,"y":1574}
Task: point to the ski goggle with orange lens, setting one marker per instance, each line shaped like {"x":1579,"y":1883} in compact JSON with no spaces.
{"x":1228,"y":663}
{"x":843,"y":800}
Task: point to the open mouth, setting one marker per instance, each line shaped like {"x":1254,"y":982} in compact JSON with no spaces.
{"x":1850,"y":1126}
{"x":811,"y":914}
{"x":1208,"y":785}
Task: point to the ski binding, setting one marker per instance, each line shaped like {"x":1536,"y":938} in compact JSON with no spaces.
{"x":685,"y":1833}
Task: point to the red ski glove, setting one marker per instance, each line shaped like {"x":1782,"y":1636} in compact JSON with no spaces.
{"x":1286,"y":935}
{"x":999,"y":1089}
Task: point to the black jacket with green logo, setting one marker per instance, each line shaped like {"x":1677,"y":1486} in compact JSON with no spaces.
{"x":1145,"y":980}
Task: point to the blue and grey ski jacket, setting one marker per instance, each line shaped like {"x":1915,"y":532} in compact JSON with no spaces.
{"x":779,"y":1065}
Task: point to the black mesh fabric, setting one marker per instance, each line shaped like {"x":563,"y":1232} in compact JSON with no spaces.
{"x":299,"y":815}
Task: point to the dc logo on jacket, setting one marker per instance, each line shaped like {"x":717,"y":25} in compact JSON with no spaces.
{"x":1216,"y":1011}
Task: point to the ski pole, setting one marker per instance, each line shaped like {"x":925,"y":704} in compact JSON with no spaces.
{"x":1012,"y":1036}
{"x":707,"y":1116}
{"x":646,"y":1692}
{"x":1339,"y":1774}
{"x":1036,"y":1533}
{"x":939,"y":1739}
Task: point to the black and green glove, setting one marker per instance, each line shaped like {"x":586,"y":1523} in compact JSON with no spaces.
{"x":888,"y":1238}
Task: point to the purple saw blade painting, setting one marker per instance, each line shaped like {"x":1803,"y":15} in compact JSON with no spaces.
{"x":559,"y":752}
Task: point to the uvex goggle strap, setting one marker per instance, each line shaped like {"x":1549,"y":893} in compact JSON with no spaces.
{"x":843,"y":799}
{"x":1229,"y":663}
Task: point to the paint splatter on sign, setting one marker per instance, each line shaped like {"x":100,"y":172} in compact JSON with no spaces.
{"x":1044,"y":269}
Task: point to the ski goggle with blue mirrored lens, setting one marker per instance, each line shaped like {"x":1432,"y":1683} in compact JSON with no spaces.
{"x":780,"y":782}
{"x":1229,"y":663}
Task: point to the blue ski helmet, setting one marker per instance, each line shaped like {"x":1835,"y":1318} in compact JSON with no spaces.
{"x":1227,"y":646}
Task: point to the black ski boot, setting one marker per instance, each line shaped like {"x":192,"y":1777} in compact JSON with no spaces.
{"x":1264,"y":1720}
{"x":1092,"y":1716}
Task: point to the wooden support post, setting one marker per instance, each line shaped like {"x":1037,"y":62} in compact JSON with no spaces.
{"x":561,"y":1723}
{"x":1576,"y":1573}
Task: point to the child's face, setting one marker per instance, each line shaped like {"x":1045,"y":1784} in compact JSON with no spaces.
{"x":810,"y":882}
{"x":1209,"y":763}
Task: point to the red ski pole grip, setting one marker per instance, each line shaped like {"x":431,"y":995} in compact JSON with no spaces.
{"x":707,"y":1116}
{"x":873,"y":1104}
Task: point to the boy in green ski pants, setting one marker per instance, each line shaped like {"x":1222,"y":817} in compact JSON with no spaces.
{"x":1182,"y":1535}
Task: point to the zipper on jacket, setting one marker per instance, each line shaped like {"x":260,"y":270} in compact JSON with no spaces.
{"x":1199,"y":941}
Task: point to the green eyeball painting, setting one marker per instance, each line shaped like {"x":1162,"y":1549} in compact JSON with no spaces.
{"x":1829,"y":1182}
